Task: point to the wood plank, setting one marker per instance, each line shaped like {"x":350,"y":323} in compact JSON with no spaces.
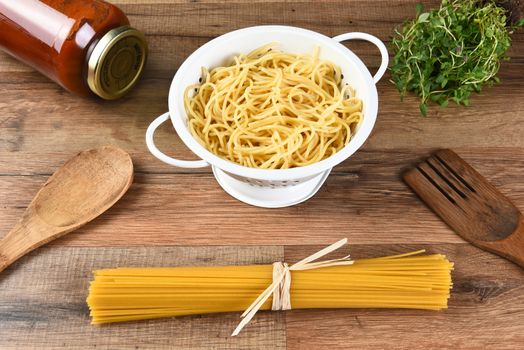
{"x":37,"y":321}
{"x":36,"y":136}
{"x":176,"y":28}
{"x":487,"y":302}
{"x":365,"y":201}
{"x":167,"y":52}
{"x":42,"y":302}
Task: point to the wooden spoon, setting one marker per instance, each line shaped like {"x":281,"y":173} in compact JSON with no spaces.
{"x":469,"y":204}
{"x":82,"y":189}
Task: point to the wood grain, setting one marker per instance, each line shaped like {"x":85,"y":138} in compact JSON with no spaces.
{"x":37,"y":136}
{"x":41,"y":126}
{"x":42,"y":302}
{"x":366,"y":201}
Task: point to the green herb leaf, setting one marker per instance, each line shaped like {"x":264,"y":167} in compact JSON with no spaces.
{"x":423,"y":109}
{"x":423,"y":18}
{"x":447,"y":53}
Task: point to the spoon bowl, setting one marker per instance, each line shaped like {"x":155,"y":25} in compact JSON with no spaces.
{"x":79,"y":191}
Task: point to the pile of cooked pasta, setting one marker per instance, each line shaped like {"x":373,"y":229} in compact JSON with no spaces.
{"x":402,"y":281}
{"x":273,"y":110}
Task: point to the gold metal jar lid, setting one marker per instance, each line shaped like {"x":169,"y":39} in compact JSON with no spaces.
{"x":116,"y":62}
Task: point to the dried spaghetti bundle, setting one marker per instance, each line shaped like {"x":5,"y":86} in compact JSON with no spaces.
{"x":409,"y":280}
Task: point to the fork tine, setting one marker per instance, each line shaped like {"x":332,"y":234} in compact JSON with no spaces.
{"x":439,"y":182}
{"x":460,"y":169}
{"x":484,"y":190}
{"x":445,"y":173}
{"x":444,"y":205}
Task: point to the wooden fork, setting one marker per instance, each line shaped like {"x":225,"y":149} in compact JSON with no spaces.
{"x":469,"y":204}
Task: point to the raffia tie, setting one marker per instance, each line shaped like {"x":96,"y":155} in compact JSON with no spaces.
{"x":281,"y":284}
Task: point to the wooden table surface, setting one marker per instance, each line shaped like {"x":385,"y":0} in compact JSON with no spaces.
{"x":175,"y":216}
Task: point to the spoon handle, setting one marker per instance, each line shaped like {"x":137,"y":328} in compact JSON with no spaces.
{"x":11,"y":245}
{"x":28,"y":234}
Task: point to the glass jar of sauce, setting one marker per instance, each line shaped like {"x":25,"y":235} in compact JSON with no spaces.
{"x":87,"y":46}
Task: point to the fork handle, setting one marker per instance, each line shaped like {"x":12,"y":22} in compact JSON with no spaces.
{"x":511,"y":247}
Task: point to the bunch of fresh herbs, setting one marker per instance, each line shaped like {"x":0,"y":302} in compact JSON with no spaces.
{"x":447,"y":53}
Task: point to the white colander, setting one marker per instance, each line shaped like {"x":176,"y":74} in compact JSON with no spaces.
{"x":261,"y":187}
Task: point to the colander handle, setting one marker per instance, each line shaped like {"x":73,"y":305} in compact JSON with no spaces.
{"x":374,"y":40}
{"x":150,"y":133}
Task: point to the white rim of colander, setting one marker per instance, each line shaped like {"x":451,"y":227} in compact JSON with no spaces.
{"x":363,"y":132}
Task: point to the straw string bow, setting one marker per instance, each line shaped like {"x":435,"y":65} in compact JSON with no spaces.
{"x":281,"y":284}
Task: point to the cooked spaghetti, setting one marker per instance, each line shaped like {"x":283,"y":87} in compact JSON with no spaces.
{"x":402,"y":281}
{"x":273,"y":110}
